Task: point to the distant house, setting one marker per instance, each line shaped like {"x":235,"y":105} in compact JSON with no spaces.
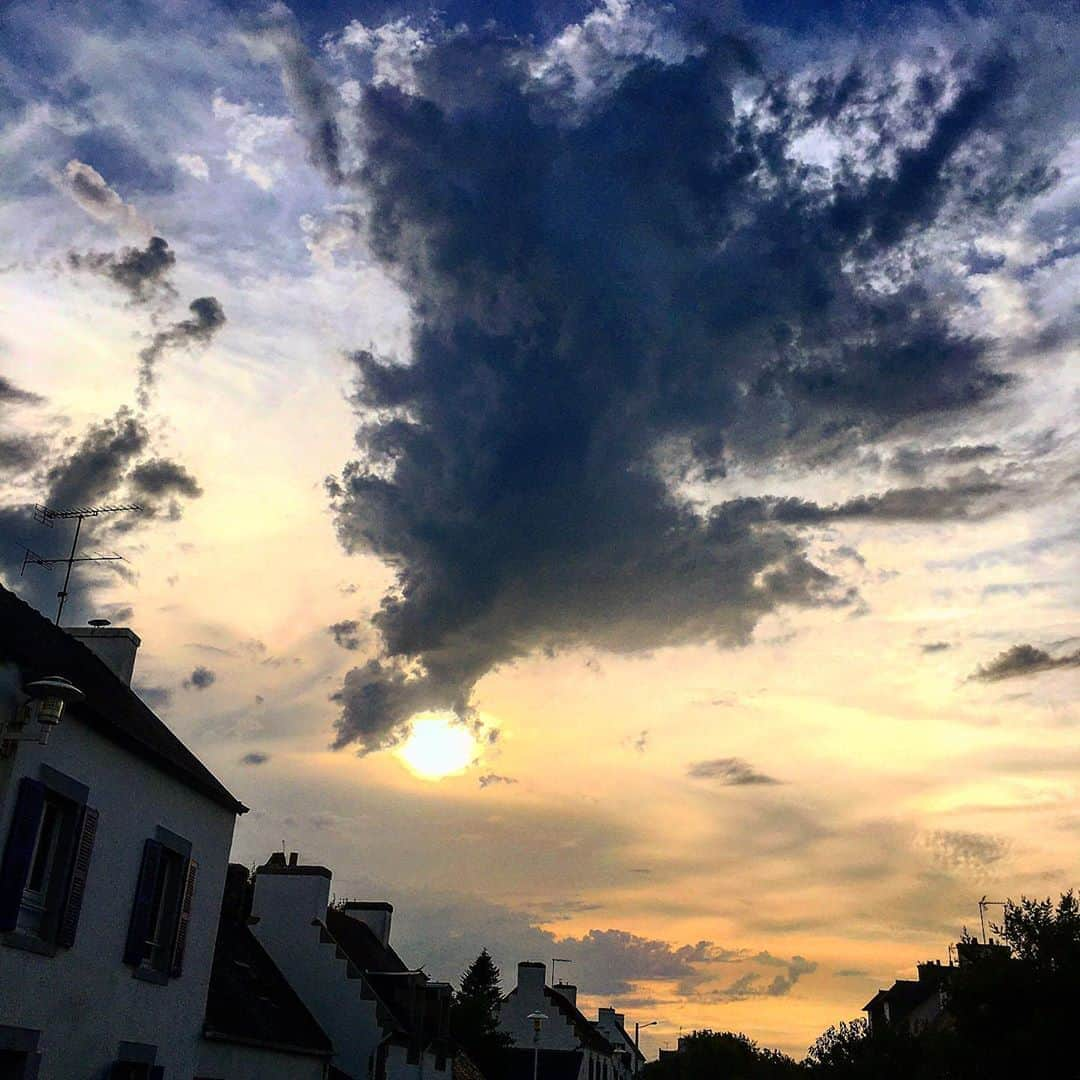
{"x":915,"y":1005}
{"x":384,"y":1020}
{"x":257,"y":1028}
{"x":565,"y":1029}
{"x":628,"y":1058}
{"x":115,"y":843}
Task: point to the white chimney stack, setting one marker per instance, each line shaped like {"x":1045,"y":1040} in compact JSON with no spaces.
{"x":374,"y":914}
{"x":114,"y":646}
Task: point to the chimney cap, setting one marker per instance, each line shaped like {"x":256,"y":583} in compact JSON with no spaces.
{"x":98,"y":622}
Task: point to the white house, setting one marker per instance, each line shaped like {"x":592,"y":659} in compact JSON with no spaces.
{"x":257,"y":1028}
{"x":628,"y":1058}
{"x":115,"y":842}
{"x":385,"y":1021}
{"x":565,"y":1028}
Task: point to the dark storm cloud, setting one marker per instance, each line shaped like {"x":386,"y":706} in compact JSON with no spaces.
{"x":312,"y":97}
{"x":157,"y":697}
{"x":20,"y":452}
{"x":966,"y":851}
{"x":1023,"y":660}
{"x":935,"y":647}
{"x":207,"y":317}
{"x":613,"y":296}
{"x":141,"y":272}
{"x":200,"y":678}
{"x":491,"y":779}
{"x":913,"y":461}
{"x":347,"y":634}
{"x":732,"y":772}
{"x":89,"y":189}
{"x":10,"y":394}
{"x":98,"y":462}
{"x":162,"y":477}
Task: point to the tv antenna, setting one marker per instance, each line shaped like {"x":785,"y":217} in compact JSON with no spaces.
{"x":44,"y":515}
{"x":983,"y":905}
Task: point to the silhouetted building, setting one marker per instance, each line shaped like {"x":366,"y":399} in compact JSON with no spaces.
{"x":565,"y":1029}
{"x":628,"y":1059}
{"x":384,"y":1020}
{"x":257,"y":1028}
{"x":918,"y":1004}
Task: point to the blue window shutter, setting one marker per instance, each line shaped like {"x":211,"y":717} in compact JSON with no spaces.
{"x":187,"y":896}
{"x":139,"y":927}
{"x":22,"y":836}
{"x":80,"y":869}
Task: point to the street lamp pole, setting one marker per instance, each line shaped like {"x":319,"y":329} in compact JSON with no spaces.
{"x":637,"y":1032}
{"x":537,"y":1019}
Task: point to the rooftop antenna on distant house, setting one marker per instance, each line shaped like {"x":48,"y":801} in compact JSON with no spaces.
{"x":983,"y":905}
{"x":48,"y":517}
{"x":557,"y":960}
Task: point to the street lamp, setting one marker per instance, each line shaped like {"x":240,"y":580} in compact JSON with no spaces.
{"x":637,"y":1032}
{"x":537,"y":1019}
{"x":48,"y":698}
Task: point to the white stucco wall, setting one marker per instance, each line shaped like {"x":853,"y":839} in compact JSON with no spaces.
{"x":398,"y":1067}
{"x":285,"y":905}
{"x":229,"y":1061}
{"x":85,"y":999}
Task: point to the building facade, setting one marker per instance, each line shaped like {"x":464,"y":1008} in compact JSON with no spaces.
{"x":564,"y":1027}
{"x":384,"y":1020}
{"x":115,"y":844}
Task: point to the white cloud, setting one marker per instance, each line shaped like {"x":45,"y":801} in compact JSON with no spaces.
{"x":194,"y":165}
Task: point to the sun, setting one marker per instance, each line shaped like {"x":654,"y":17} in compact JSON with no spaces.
{"x":438,"y":746}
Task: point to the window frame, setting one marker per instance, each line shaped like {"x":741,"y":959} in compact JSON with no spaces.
{"x":45,"y":918}
{"x":156,"y":954}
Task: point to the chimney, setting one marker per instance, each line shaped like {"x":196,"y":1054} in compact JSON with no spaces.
{"x":568,"y":991}
{"x":531,"y":978}
{"x":293,"y":894}
{"x":374,"y":914}
{"x":114,"y":646}
{"x":620,"y":1019}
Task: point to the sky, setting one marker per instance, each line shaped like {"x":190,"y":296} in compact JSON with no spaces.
{"x":608,"y":473}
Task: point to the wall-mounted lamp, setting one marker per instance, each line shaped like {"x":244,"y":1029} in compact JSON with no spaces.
{"x":48,"y":697}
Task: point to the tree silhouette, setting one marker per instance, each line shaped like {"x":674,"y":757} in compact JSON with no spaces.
{"x":712,"y":1055}
{"x":474,"y":1015}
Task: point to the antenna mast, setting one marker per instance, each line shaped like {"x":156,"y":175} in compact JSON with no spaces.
{"x":46,"y":516}
{"x":983,"y":905}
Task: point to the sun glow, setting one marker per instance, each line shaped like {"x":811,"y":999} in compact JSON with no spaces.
{"x":437,"y":747}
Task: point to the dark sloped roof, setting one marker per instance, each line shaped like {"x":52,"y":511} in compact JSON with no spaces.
{"x":250,"y":1001}
{"x":904,"y":995}
{"x":111,"y":706}
{"x":384,"y":971}
{"x":550,"y":1064}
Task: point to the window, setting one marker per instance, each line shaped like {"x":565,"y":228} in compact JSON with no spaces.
{"x":19,"y":1057}
{"x":135,"y":1070}
{"x":46,"y":862}
{"x":15,"y":1065}
{"x":157,"y":933}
